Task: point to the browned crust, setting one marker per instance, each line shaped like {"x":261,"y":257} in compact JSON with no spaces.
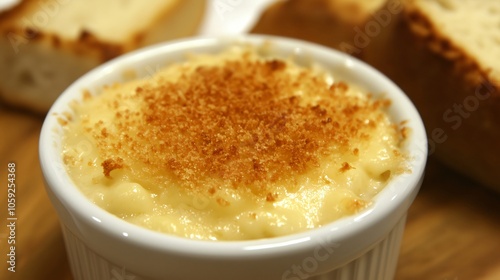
{"x":441,"y":44}
{"x":111,"y":164}
{"x":345,"y":167}
{"x":239,"y":123}
{"x":86,"y":46}
{"x":441,"y":77}
{"x":86,"y":43}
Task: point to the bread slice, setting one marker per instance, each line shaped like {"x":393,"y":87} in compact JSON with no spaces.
{"x":46,"y":45}
{"x":471,"y":27}
{"x":445,"y":54}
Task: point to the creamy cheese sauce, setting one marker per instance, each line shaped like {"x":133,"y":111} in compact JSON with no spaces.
{"x":232,"y":146}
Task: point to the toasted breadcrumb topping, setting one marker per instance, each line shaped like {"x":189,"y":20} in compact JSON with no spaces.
{"x":245,"y":121}
{"x":235,"y":145}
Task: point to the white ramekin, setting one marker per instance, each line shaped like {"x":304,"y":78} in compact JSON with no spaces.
{"x":102,"y":246}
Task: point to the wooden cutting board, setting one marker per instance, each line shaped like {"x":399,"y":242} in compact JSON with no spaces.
{"x":452,"y":233}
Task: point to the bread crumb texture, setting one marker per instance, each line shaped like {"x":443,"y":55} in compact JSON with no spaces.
{"x":234,"y":126}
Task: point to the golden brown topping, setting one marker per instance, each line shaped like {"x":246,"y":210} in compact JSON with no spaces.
{"x":355,"y":205}
{"x":276,"y":65}
{"x":271,"y":197}
{"x":245,"y":122}
{"x":385,"y":175}
{"x":222,"y":202}
{"x":345,"y":166}
{"x":110,"y":165}
{"x":405,"y":132}
{"x":62,"y":121}
{"x":104,"y":132}
{"x":86,"y":95}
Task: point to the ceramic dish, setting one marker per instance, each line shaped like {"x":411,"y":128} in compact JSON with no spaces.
{"x":363,"y":246}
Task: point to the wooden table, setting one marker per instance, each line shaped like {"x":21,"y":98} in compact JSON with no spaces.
{"x":453,"y":229}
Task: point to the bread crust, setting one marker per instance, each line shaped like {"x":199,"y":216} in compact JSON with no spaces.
{"x":458,"y":98}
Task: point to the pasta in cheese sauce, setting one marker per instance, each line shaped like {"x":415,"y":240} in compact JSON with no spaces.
{"x":232,"y":146}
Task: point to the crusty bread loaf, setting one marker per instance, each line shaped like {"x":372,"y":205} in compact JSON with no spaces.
{"x":46,"y":45}
{"x":445,"y":55}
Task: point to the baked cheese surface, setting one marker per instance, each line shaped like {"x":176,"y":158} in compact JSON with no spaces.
{"x":232,"y":146}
